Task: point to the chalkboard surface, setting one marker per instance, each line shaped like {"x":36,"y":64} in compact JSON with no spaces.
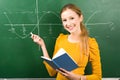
{"x":20,"y":56}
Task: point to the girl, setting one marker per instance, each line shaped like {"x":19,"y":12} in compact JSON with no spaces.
{"x":77,"y":43}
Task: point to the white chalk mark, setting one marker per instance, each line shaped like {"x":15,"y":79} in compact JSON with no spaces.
{"x":50,"y":29}
{"x":8,"y":18}
{"x":24,"y":30}
{"x":36,"y":25}
{"x":31,"y":24}
{"x":91,"y":17}
{"x":109,"y":23}
{"x":37,"y":16}
{"x":39,"y":23}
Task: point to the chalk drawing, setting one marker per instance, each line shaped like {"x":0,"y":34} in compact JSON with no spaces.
{"x":36,"y":25}
{"x":39,"y":23}
{"x":109,"y":24}
{"x":95,"y":13}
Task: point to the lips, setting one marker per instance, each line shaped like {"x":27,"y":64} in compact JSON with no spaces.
{"x":70,"y":28}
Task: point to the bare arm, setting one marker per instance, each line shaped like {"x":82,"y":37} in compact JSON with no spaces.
{"x":41,"y":43}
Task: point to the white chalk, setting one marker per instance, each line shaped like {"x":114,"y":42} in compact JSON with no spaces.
{"x":31,"y":33}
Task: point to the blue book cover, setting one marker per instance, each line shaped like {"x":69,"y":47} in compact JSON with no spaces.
{"x":61,"y":60}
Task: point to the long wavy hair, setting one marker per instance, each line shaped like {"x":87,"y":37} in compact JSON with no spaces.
{"x":84,"y":32}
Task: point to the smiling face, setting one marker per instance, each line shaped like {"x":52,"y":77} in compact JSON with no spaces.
{"x":71,"y":21}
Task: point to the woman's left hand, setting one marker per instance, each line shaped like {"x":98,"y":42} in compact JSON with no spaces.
{"x":68,"y":74}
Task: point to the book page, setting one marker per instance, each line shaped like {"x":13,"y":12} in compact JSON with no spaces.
{"x":59,"y":53}
{"x":46,"y":58}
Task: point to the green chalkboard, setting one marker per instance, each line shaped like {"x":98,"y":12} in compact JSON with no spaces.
{"x":20,"y":56}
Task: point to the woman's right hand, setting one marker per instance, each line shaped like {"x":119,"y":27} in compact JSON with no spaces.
{"x":37,"y":39}
{"x":40,"y":42}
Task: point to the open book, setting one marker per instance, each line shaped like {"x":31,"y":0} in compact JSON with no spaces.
{"x":61,"y":60}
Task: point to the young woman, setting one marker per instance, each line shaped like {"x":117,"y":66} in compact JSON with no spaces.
{"x":77,"y":43}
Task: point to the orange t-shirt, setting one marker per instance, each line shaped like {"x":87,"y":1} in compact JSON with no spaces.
{"x":73,"y":49}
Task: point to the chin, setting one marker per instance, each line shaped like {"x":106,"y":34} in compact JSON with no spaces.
{"x":71,"y":31}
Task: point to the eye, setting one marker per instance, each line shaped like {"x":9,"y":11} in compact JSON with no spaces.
{"x":64,"y":20}
{"x":72,"y":18}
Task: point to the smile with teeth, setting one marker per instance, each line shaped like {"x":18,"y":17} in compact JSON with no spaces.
{"x":70,"y":27}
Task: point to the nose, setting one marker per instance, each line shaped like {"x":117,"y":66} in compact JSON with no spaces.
{"x":68,"y":23}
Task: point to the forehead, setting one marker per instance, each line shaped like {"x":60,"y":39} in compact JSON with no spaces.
{"x":68,"y":12}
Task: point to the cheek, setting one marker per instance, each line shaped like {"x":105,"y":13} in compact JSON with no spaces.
{"x":64,"y":25}
{"x":77,"y":23}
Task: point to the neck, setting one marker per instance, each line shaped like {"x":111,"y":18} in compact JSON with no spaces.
{"x":74,"y":38}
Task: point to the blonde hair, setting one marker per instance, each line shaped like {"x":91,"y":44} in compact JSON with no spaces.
{"x":84,"y":32}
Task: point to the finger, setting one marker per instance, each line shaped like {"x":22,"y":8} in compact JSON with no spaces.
{"x":59,"y":70}
{"x":63,"y":73}
{"x":36,"y":39}
{"x":31,"y":35}
{"x":63,"y":70}
{"x":35,"y":36}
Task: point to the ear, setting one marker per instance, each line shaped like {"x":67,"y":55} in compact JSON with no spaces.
{"x":81,"y":18}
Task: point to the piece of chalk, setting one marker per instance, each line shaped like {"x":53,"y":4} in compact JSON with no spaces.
{"x":31,"y":33}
